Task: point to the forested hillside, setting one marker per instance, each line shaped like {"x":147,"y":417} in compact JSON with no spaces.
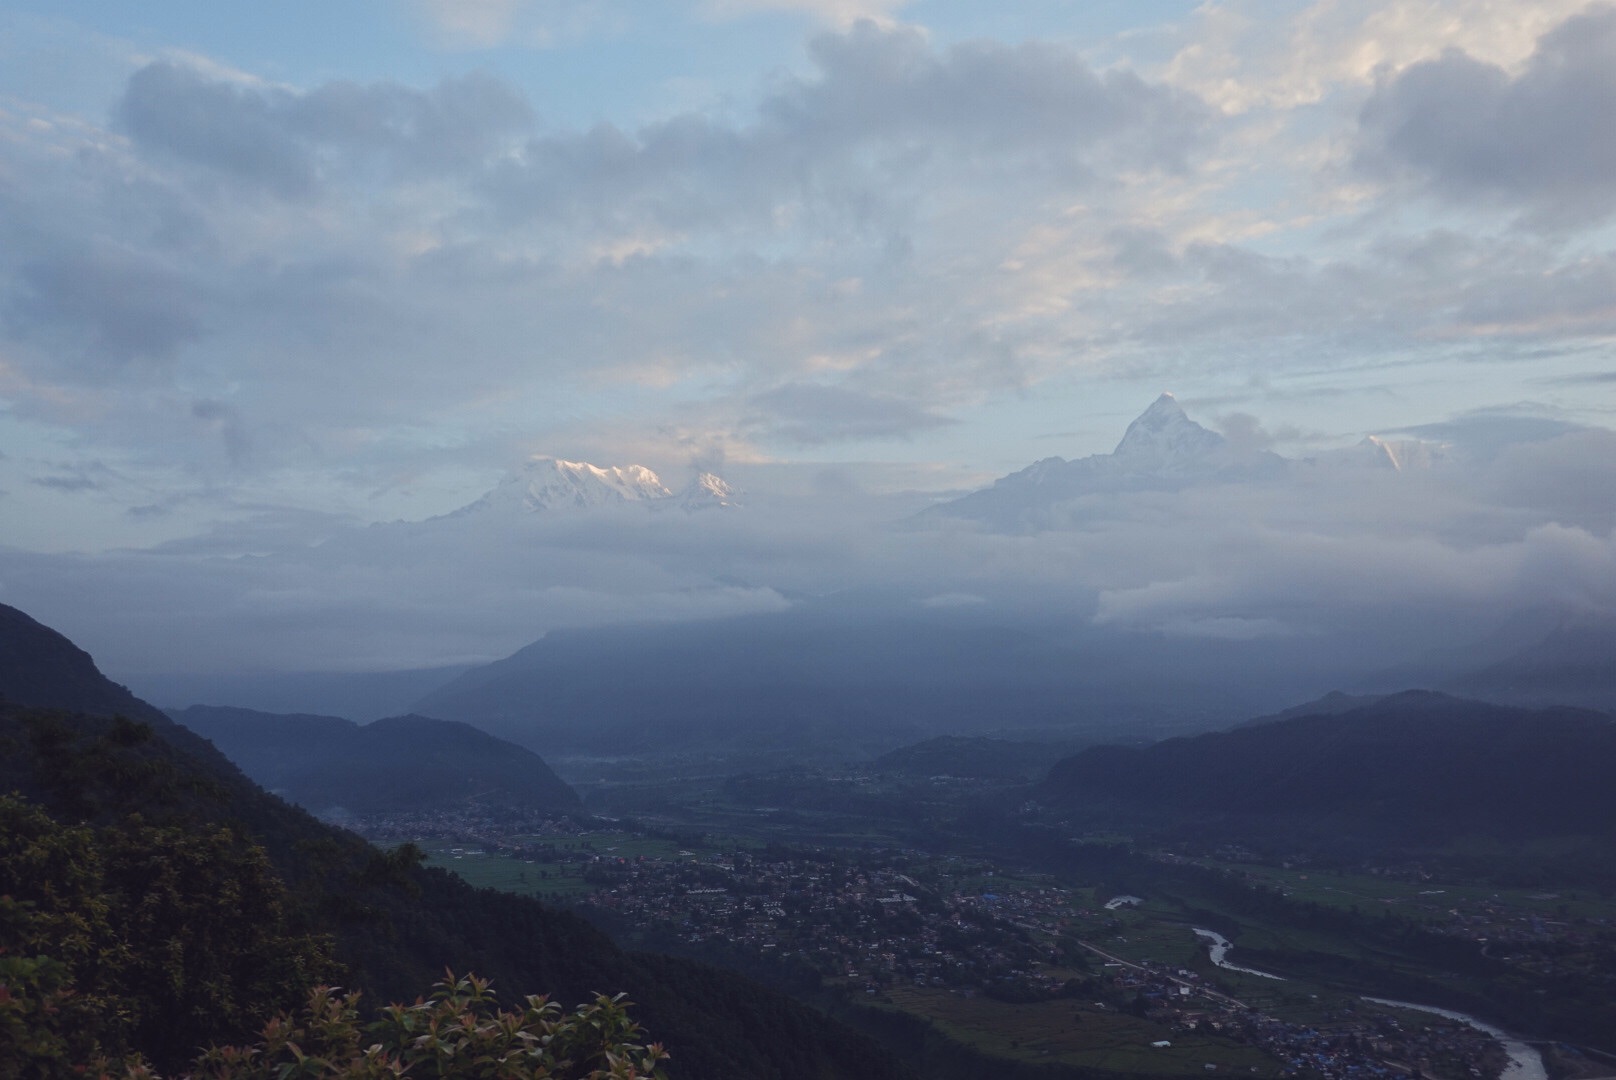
{"x":1417,"y":765}
{"x":376,"y":920}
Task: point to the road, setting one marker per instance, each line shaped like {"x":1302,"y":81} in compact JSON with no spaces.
{"x":1195,"y":987}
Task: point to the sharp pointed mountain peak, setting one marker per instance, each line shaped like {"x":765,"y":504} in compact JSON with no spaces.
{"x":1164,"y":405}
{"x":1165,"y":431}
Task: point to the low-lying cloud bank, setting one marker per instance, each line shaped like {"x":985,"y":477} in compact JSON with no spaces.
{"x":1371,"y":565}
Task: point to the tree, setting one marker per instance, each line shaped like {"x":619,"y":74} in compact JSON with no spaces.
{"x":458,"y":1033}
{"x":133,"y":938}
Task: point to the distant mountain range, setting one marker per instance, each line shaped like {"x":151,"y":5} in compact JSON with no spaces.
{"x":864,"y":679}
{"x":333,"y":766}
{"x":1162,"y":450}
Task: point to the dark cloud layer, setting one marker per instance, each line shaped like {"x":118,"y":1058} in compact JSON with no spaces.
{"x":102,"y":309}
{"x":1542,"y":140}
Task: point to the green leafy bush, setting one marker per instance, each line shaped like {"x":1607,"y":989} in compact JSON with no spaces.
{"x":459,"y":1033}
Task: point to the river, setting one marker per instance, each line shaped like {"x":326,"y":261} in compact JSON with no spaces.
{"x":1525,"y":1063}
{"x":1220,"y":948}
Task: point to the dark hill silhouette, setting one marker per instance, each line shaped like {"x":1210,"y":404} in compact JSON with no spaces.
{"x":861,"y":673}
{"x":396,"y":926}
{"x":38,"y":666}
{"x":1417,"y":763}
{"x":1331,"y":704}
{"x":402,"y":763}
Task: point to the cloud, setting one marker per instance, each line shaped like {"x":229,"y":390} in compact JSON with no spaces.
{"x":1484,"y":434}
{"x":474,"y":23}
{"x":884,"y":113}
{"x":226,"y":422}
{"x":105,"y":309}
{"x":362,"y":273}
{"x":1471,"y":131}
{"x":986,"y":97}
{"x":810,"y":414}
{"x":836,"y":12}
{"x":68,"y":483}
{"x":1248,"y":56}
{"x":488,"y":24}
{"x":363,"y":299}
{"x":287,"y":141}
{"x":1566,"y":479}
{"x":1587,"y":378}
{"x":239,"y":130}
{"x":1345,"y":567}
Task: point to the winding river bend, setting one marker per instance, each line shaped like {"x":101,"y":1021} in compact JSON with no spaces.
{"x":1525,"y":1063}
{"x":1220,"y":948}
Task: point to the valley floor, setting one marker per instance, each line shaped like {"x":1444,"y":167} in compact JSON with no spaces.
{"x":1034,"y":963}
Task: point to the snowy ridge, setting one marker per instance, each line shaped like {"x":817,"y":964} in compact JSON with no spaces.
{"x":547,"y":485}
{"x":1163,"y":450}
{"x":1374,"y":454}
{"x":1163,"y":436}
{"x":1402,"y":454}
{"x":707,"y":492}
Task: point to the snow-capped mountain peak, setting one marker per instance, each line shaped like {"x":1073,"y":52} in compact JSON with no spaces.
{"x":1162,"y":450}
{"x":706,"y":492}
{"x":547,"y":484}
{"x":1163,"y":433}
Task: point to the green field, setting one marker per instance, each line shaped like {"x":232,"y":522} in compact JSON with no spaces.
{"x":1075,"y":1033}
{"x":561,"y":881}
{"x":1432,"y":899}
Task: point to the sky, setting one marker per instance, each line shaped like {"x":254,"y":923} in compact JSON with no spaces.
{"x":271,"y":279}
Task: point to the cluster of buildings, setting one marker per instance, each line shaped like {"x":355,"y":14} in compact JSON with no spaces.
{"x":875,"y":921}
{"x":1354,"y":1041}
{"x":872,"y":925}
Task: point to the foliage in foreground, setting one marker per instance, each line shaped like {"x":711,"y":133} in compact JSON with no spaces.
{"x":135,"y":937}
{"x":132,"y":940}
{"x":459,"y":1032}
